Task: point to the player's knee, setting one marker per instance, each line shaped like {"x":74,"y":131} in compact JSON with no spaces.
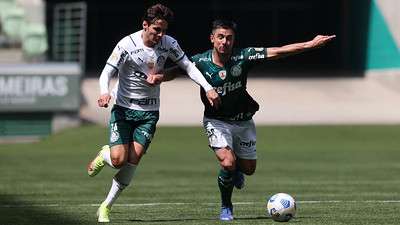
{"x":118,"y":162}
{"x":249,"y":171}
{"x":248,"y":167}
{"x":228,"y":164}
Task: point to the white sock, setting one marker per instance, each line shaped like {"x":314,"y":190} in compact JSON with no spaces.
{"x":113,"y":194}
{"x":121,"y":180}
{"x":107,"y":156}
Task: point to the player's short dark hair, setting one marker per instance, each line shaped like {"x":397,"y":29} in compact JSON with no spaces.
{"x":157,"y":12}
{"x":226,"y":24}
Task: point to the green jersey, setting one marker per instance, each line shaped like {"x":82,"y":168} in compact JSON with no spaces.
{"x":230,"y":83}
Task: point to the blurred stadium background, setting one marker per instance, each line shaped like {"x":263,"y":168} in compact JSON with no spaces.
{"x":52,"y":52}
{"x":331,"y":114}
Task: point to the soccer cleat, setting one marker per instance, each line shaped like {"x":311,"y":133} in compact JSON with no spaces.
{"x":238,"y":179}
{"x":97,"y":164}
{"x":226,"y":213}
{"x":103,"y":213}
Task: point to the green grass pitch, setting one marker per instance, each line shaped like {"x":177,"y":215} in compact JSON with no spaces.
{"x":338,"y":175}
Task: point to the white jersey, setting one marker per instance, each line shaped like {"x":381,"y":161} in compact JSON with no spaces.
{"x":134,"y":61}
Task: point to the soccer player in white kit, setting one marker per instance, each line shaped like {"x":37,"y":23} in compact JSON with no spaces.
{"x":135,"y":112}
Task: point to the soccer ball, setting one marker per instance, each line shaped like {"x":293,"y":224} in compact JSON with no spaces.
{"x":281,"y":207}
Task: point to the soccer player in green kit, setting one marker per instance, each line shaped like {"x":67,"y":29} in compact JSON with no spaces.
{"x":230,"y":128}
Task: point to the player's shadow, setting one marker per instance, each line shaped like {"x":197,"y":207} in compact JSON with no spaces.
{"x":294,"y":220}
{"x":16,"y":211}
{"x":196,"y":219}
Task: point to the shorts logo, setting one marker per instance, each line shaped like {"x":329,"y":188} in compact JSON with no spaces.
{"x":212,"y":137}
{"x":222,"y":74}
{"x":236,"y":70}
{"x":114,"y":133}
{"x":248,"y":144}
{"x":147,"y":135}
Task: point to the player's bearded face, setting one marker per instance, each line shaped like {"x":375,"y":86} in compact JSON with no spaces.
{"x":223,"y":40}
{"x":153,"y":32}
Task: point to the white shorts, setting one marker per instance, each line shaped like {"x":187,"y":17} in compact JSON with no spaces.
{"x":240,"y":136}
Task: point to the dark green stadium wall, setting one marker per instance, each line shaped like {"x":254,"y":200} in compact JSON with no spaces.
{"x":261,"y":23}
{"x":25,"y":124}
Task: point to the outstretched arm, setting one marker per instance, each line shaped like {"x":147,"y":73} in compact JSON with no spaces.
{"x":296,"y":48}
{"x":187,"y":67}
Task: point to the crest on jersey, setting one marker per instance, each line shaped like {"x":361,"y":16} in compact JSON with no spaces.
{"x":222,"y":74}
{"x":151,"y":62}
{"x":236,"y":70}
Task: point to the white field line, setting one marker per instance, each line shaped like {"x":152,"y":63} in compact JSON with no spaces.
{"x":186,"y":203}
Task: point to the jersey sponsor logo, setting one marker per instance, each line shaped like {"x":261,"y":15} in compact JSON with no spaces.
{"x":237,"y":57}
{"x":257,"y":56}
{"x":236,"y":70}
{"x":228,"y":87}
{"x":136,"y":51}
{"x":239,"y":116}
{"x":222,"y":74}
{"x":259,"y":49}
{"x":143,"y":101}
{"x":204,"y":59}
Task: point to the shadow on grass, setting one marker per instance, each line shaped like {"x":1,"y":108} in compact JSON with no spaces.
{"x":198,"y":219}
{"x":17,"y":212}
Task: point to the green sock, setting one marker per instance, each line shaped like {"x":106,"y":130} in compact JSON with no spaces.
{"x":225,"y":185}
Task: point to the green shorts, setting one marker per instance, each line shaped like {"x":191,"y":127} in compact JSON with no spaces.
{"x":128,"y":125}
